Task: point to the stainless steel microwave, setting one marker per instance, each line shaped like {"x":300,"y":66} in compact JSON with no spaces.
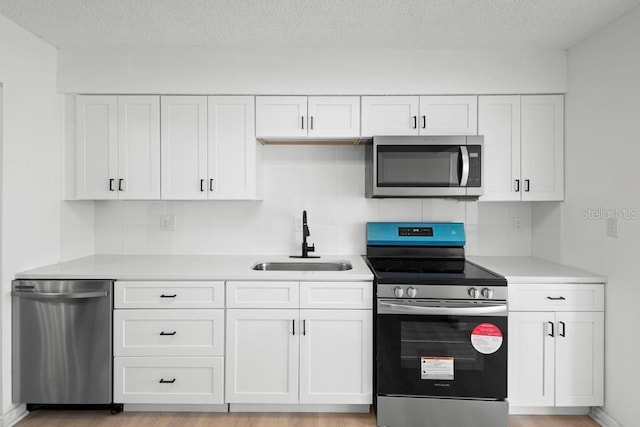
{"x":424,"y":166}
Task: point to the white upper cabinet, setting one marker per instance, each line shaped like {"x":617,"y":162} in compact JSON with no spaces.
{"x":291,"y":117}
{"x":138,"y":147}
{"x":184,"y":147}
{"x":117,"y":147}
{"x":499,"y":123}
{"x":543,"y":147}
{"x":208,"y":148}
{"x":523,"y":147}
{"x":231,"y":151}
{"x":448,"y":115}
{"x":424,"y":115}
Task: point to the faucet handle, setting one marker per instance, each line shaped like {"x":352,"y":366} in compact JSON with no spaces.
{"x":311,"y":248}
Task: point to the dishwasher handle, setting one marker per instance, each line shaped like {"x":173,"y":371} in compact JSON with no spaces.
{"x":49,"y":296}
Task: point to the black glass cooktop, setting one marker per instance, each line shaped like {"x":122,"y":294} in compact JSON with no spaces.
{"x":432,"y":271}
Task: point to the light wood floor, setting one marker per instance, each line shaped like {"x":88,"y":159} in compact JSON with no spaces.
{"x":191,"y":419}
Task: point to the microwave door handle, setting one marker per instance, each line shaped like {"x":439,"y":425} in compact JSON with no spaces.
{"x":464,"y":155}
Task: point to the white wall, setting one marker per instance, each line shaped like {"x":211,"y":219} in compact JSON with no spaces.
{"x":602,"y":151}
{"x":326,"y":181}
{"x":30,"y":168}
{"x":309,"y":71}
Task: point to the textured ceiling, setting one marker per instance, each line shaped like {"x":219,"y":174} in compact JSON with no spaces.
{"x":423,"y":24}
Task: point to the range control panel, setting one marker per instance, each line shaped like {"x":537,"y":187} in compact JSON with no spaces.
{"x":461,"y":292}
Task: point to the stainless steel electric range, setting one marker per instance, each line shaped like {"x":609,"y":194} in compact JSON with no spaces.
{"x":440,"y":329}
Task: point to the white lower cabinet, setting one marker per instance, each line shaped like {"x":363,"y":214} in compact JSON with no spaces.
{"x":167,"y":355}
{"x":316,"y":356}
{"x":556,"y":358}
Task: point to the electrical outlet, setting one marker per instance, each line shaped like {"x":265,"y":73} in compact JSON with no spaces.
{"x":168,"y":222}
{"x":298,"y":224}
{"x":612,"y":227}
{"x":517,"y":223}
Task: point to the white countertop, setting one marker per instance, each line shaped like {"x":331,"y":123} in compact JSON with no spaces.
{"x":522,"y":269}
{"x":192,"y":267}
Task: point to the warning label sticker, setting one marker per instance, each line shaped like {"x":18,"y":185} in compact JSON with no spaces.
{"x":486,"y":338}
{"x":437,"y":368}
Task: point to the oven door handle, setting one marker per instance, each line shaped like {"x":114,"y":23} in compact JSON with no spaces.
{"x":443,"y":311}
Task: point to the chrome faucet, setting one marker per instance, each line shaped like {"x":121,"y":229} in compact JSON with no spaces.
{"x":305,"y":233}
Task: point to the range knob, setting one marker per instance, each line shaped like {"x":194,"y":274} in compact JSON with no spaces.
{"x":412,"y":292}
{"x":487,"y":293}
{"x":398,"y":292}
{"x":474,"y":293}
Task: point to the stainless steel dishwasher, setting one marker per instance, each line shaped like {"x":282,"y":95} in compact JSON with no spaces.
{"x":62,"y":342}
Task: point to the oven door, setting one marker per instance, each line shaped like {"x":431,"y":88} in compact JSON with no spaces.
{"x":442,"y":349}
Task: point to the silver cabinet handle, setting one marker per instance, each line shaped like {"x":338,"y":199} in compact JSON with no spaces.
{"x":164,"y":334}
{"x":54,"y":295}
{"x":163,"y":381}
{"x":551,"y":334}
{"x":302,"y":118}
{"x":293,"y":322}
{"x":415,"y":122}
{"x":556,"y":298}
{"x":464,"y":179}
{"x":304,"y":327}
{"x":517,"y":186}
{"x":120,"y":183}
{"x":424,"y":122}
{"x":211,"y":184}
{"x":526,"y":185}
{"x":311,"y":122}
{"x":111,"y":182}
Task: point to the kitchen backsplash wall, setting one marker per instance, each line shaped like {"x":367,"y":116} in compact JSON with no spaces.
{"x":328,"y":182}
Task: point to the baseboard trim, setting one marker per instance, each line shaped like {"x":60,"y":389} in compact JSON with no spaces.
{"x":258,"y":407}
{"x":175,"y":408}
{"x":548,"y":410}
{"x":14,"y":415}
{"x":602,"y":418}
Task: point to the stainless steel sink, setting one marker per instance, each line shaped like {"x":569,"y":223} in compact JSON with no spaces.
{"x":303,"y":266}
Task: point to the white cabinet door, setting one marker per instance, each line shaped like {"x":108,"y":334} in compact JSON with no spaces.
{"x":262,"y":356}
{"x":281,"y":116}
{"x":448,"y":115}
{"x":336,"y":356}
{"x":184,"y":147}
{"x":138,"y":147}
{"x":334,"y":116}
{"x":232,"y":148}
{"x":580,"y":359}
{"x":531,"y":359}
{"x":96,"y":147}
{"x":389,"y":115}
{"x":499,"y":123}
{"x":542,"y":147}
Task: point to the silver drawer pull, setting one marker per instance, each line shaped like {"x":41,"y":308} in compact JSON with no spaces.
{"x":168,"y":333}
{"x":163,"y":381}
{"x":168,"y":296}
{"x":556,"y":298}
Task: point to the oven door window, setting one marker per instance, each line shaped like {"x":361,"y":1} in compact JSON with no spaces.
{"x":418,"y":166}
{"x":436,"y":356}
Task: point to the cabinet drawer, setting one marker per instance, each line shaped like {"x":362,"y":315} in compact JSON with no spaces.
{"x":556,"y":297}
{"x":336,"y":295}
{"x":170,"y":294}
{"x":262,"y":294}
{"x":187,"y":380}
{"x":168,"y":332}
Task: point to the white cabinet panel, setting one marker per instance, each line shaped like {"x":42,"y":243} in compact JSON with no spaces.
{"x":580,"y":359}
{"x":281,"y":116}
{"x":231,"y":149}
{"x":96,"y":146}
{"x":543,"y":147}
{"x":389,"y":115}
{"x":184,"y":147}
{"x":335,"y":356}
{"x":262,"y":294}
{"x":168,"y":332}
{"x":448,"y":115}
{"x":138,"y":147}
{"x":556,"y":297}
{"x":334,"y":116}
{"x":168,"y":294}
{"x":499,"y":123}
{"x":262,"y":356}
{"x":343,"y":295}
{"x":531,"y":359}
{"x":169,"y":380}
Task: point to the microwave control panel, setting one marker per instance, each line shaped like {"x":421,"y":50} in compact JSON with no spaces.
{"x":475,"y":166}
